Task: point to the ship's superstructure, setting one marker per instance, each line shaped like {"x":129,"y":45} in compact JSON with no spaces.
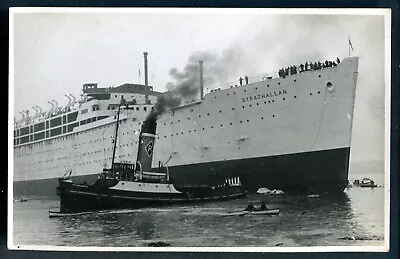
{"x":80,"y":136}
{"x":291,"y":133}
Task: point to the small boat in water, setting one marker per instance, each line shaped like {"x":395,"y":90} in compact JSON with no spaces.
{"x":127,"y":185}
{"x":255,"y":212}
{"x":59,"y":214}
{"x":265,"y":212}
{"x":235,"y":213}
{"x":365,"y":182}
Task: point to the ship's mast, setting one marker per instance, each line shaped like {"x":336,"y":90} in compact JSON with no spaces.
{"x":146,"y":80}
{"x":116,"y":134}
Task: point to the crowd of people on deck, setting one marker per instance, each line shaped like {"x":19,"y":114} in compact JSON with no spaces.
{"x":291,"y":70}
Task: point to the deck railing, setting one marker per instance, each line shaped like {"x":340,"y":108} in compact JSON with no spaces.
{"x":236,"y":83}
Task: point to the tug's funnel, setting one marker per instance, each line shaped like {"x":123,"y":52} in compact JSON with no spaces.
{"x":146,"y":146}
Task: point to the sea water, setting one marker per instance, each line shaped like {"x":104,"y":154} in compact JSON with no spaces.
{"x":354,"y":218}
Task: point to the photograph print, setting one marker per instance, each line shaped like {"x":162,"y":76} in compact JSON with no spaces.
{"x":148,"y":129}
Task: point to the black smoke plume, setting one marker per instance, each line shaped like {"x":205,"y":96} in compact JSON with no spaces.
{"x":164,"y":102}
{"x":185,"y":85}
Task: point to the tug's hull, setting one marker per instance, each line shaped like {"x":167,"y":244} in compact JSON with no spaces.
{"x":76,"y":197}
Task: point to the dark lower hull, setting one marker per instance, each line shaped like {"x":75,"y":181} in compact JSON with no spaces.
{"x":318,"y":171}
{"x":80,"y":198}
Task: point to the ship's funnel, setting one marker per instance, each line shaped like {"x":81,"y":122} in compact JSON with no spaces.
{"x":201,"y":80}
{"x":146,"y":146}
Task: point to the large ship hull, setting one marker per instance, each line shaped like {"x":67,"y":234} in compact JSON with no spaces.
{"x":319,"y":171}
{"x":291,"y":134}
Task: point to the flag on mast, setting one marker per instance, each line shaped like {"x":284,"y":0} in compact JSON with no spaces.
{"x":351,"y":45}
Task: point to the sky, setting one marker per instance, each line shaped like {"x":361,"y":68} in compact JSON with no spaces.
{"x":56,"y":53}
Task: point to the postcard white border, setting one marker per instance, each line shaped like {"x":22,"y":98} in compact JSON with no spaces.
{"x":367,"y":11}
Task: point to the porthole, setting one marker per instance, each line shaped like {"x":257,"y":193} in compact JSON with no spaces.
{"x":221,"y":125}
{"x":269,"y":101}
{"x":248,"y":121}
{"x":262,"y":118}
{"x":243,"y":106}
{"x":250,"y":105}
{"x":319,"y":75}
{"x":273,"y":116}
{"x":294,"y":80}
{"x":212,"y":127}
{"x":273,"y":101}
{"x":319,"y":92}
{"x":199,"y":116}
{"x":230,"y":123}
{"x":241,"y":121}
{"x":310,"y":93}
{"x":329,"y":86}
{"x":279,"y":83}
{"x":233,"y":109}
{"x":257,"y":103}
{"x":295,"y":97}
{"x":219,"y":111}
{"x":256,"y":88}
{"x":245,"y":90}
{"x":267,"y":85}
{"x":284,"y":98}
{"x":208,"y":114}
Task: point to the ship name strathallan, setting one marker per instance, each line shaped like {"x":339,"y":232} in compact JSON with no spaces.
{"x":265,"y":95}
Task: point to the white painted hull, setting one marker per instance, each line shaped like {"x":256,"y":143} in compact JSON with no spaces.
{"x":293,"y":115}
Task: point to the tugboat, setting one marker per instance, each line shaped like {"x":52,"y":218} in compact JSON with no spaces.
{"x":365,"y":182}
{"x":126,"y":185}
